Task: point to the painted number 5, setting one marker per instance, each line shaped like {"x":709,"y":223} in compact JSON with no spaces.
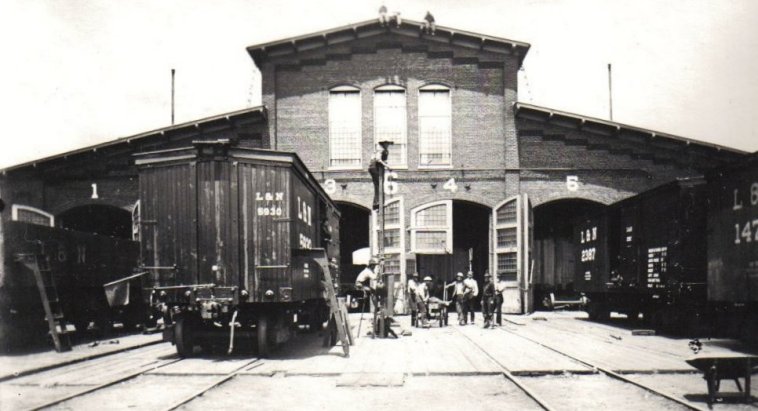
{"x":572,"y":183}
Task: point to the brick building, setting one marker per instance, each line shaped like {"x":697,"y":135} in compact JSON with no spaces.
{"x":478,"y":180}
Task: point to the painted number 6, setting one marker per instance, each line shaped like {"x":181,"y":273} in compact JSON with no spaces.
{"x":390,"y":186}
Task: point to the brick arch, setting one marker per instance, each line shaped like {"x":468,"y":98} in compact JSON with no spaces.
{"x":606,"y":197}
{"x":468,"y":197}
{"x":71,"y":204}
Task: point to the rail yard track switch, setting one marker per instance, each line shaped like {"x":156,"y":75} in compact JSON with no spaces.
{"x":726,"y":367}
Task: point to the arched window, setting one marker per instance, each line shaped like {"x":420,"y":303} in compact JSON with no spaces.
{"x":390,"y":122}
{"x":432,"y":228}
{"x":32,"y":215}
{"x":345,"y":127}
{"x":434,"y":126}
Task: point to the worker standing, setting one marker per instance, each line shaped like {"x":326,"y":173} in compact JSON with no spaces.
{"x":413,"y":285}
{"x":472,"y":293}
{"x":459,"y":294}
{"x":499,"y":298}
{"x":488,"y":299}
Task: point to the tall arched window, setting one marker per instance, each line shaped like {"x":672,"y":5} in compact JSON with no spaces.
{"x":344,"y":127}
{"x":434,"y":126}
{"x":390,"y":122}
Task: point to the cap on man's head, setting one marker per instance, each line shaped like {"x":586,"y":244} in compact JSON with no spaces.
{"x":470,"y":273}
{"x":459,"y":275}
{"x":487,"y":275}
{"x":373,"y":261}
{"x":415,"y":274}
{"x":427,"y":278}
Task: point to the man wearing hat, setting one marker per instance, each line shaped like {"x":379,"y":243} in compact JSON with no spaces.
{"x":472,"y":291}
{"x":488,"y":299}
{"x":422,"y":299}
{"x":459,"y":294}
{"x":368,"y":281}
{"x":413,"y":285}
{"x":499,"y":292}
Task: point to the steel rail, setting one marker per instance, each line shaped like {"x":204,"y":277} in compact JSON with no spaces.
{"x":610,"y":373}
{"x":101,"y":386}
{"x":121,"y":350}
{"x":508,"y":375}
{"x":213,"y":385}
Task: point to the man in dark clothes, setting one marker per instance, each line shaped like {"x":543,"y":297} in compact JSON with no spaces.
{"x":376,"y":168}
{"x":488,"y":299}
{"x":429,"y":26}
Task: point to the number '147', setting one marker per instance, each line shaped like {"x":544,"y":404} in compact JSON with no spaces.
{"x":745,"y":233}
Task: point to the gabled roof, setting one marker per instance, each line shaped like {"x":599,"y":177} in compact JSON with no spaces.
{"x":254,"y":113}
{"x":445,"y":35}
{"x":613,"y":128}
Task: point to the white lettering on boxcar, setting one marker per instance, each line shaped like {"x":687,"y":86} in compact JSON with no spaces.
{"x":273,"y":204}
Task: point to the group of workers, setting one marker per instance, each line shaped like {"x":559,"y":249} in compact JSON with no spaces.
{"x":465,"y":293}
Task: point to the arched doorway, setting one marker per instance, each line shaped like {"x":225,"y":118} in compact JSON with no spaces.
{"x":553,"y":248}
{"x":99,"y":219}
{"x":470,"y":225}
{"x":354,"y":235}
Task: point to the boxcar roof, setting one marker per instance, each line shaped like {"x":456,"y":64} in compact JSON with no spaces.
{"x":190,"y":154}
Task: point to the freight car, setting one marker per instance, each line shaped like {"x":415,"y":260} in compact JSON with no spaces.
{"x":733,"y":249}
{"x":647,"y":254}
{"x":71,"y":268}
{"x":236,"y":241}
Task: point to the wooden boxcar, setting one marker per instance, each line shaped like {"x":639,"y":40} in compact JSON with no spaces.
{"x":79,"y":263}
{"x":229,"y":234}
{"x":733,"y":248}
{"x":647,"y":254}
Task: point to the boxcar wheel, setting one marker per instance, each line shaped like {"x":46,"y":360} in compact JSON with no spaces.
{"x":261,"y":329}
{"x":184,"y":337}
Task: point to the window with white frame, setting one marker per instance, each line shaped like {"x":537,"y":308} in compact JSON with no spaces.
{"x":394,"y":235}
{"x":434,"y":126}
{"x":431,"y":228}
{"x":390,"y":122}
{"x":32,"y":215}
{"x":344,"y":127}
{"x":506,"y":239}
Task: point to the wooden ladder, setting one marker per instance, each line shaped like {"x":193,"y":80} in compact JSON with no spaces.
{"x":48,"y":293}
{"x":337,"y":311}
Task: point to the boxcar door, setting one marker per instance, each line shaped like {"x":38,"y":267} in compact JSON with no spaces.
{"x":512,"y":236}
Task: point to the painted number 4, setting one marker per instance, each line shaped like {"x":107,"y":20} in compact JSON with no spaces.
{"x":450,"y":185}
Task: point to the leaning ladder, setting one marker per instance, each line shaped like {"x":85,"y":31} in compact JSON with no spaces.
{"x":48,"y":293}
{"x":337,"y":310}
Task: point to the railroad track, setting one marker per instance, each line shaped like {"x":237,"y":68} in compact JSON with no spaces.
{"x":51,"y":376}
{"x":604,"y":370}
{"x":509,"y":376}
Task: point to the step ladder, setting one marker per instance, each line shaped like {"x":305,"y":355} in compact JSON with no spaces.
{"x":48,"y":292}
{"x":338,"y":320}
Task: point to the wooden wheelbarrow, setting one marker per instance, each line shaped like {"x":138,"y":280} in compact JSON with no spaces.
{"x":717,"y":367}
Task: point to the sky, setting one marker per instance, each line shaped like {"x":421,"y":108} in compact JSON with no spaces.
{"x":81,"y":72}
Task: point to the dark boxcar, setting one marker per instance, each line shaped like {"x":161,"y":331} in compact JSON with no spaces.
{"x":656,"y":256}
{"x":733,"y":247}
{"x":80,"y":264}
{"x":222,"y":230}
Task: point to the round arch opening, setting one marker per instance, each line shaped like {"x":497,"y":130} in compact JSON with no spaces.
{"x":552,"y":252}
{"x":354,"y":235}
{"x":98,"y":219}
{"x":470,"y":248}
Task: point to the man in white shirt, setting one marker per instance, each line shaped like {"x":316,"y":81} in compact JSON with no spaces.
{"x":472,"y":293}
{"x":459,"y":294}
{"x":368,"y":281}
